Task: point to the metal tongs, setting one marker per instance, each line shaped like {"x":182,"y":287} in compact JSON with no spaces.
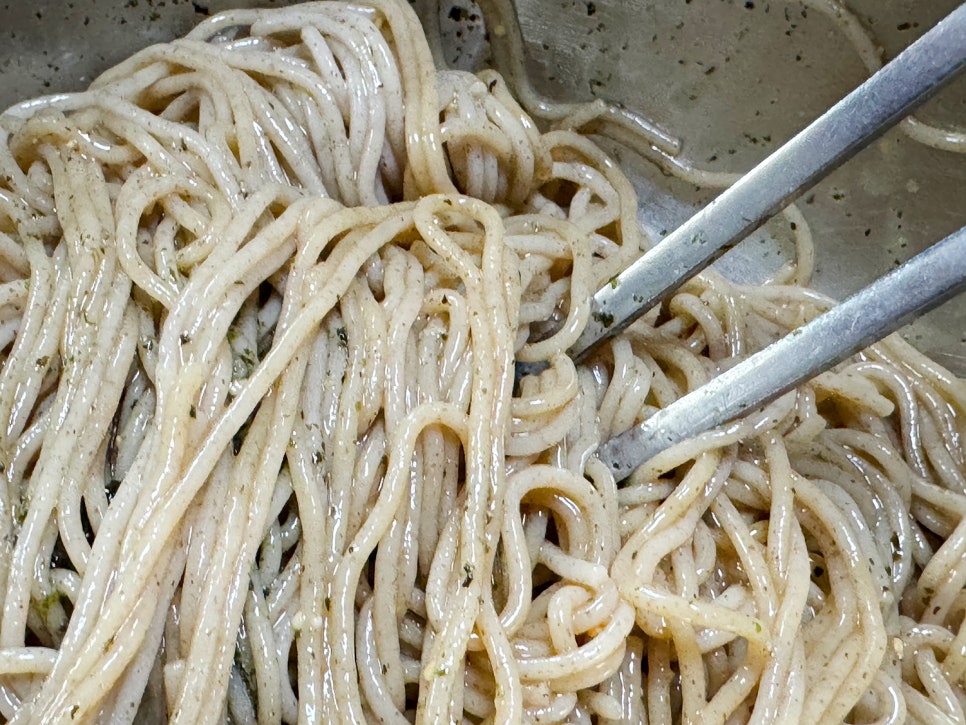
{"x":912,"y":289}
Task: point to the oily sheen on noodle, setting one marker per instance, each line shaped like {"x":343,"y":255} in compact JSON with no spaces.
{"x":261,"y":293}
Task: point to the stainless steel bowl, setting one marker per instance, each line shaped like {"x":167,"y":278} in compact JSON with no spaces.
{"x":732,"y":78}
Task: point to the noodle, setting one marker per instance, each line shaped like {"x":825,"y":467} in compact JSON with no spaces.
{"x":261,"y":294}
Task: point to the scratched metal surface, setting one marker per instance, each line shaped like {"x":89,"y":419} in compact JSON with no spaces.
{"x":733,"y":78}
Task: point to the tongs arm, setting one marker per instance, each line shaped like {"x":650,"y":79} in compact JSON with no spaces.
{"x":851,"y":124}
{"x":912,"y":289}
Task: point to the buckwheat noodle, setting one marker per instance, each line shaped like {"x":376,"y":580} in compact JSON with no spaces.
{"x":261,"y":293}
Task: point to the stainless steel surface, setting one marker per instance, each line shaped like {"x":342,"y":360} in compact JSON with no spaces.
{"x":920,"y":284}
{"x":737,"y":79}
{"x":833,"y":138}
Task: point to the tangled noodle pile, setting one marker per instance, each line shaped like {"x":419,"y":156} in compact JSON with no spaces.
{"x":263,"y":289}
